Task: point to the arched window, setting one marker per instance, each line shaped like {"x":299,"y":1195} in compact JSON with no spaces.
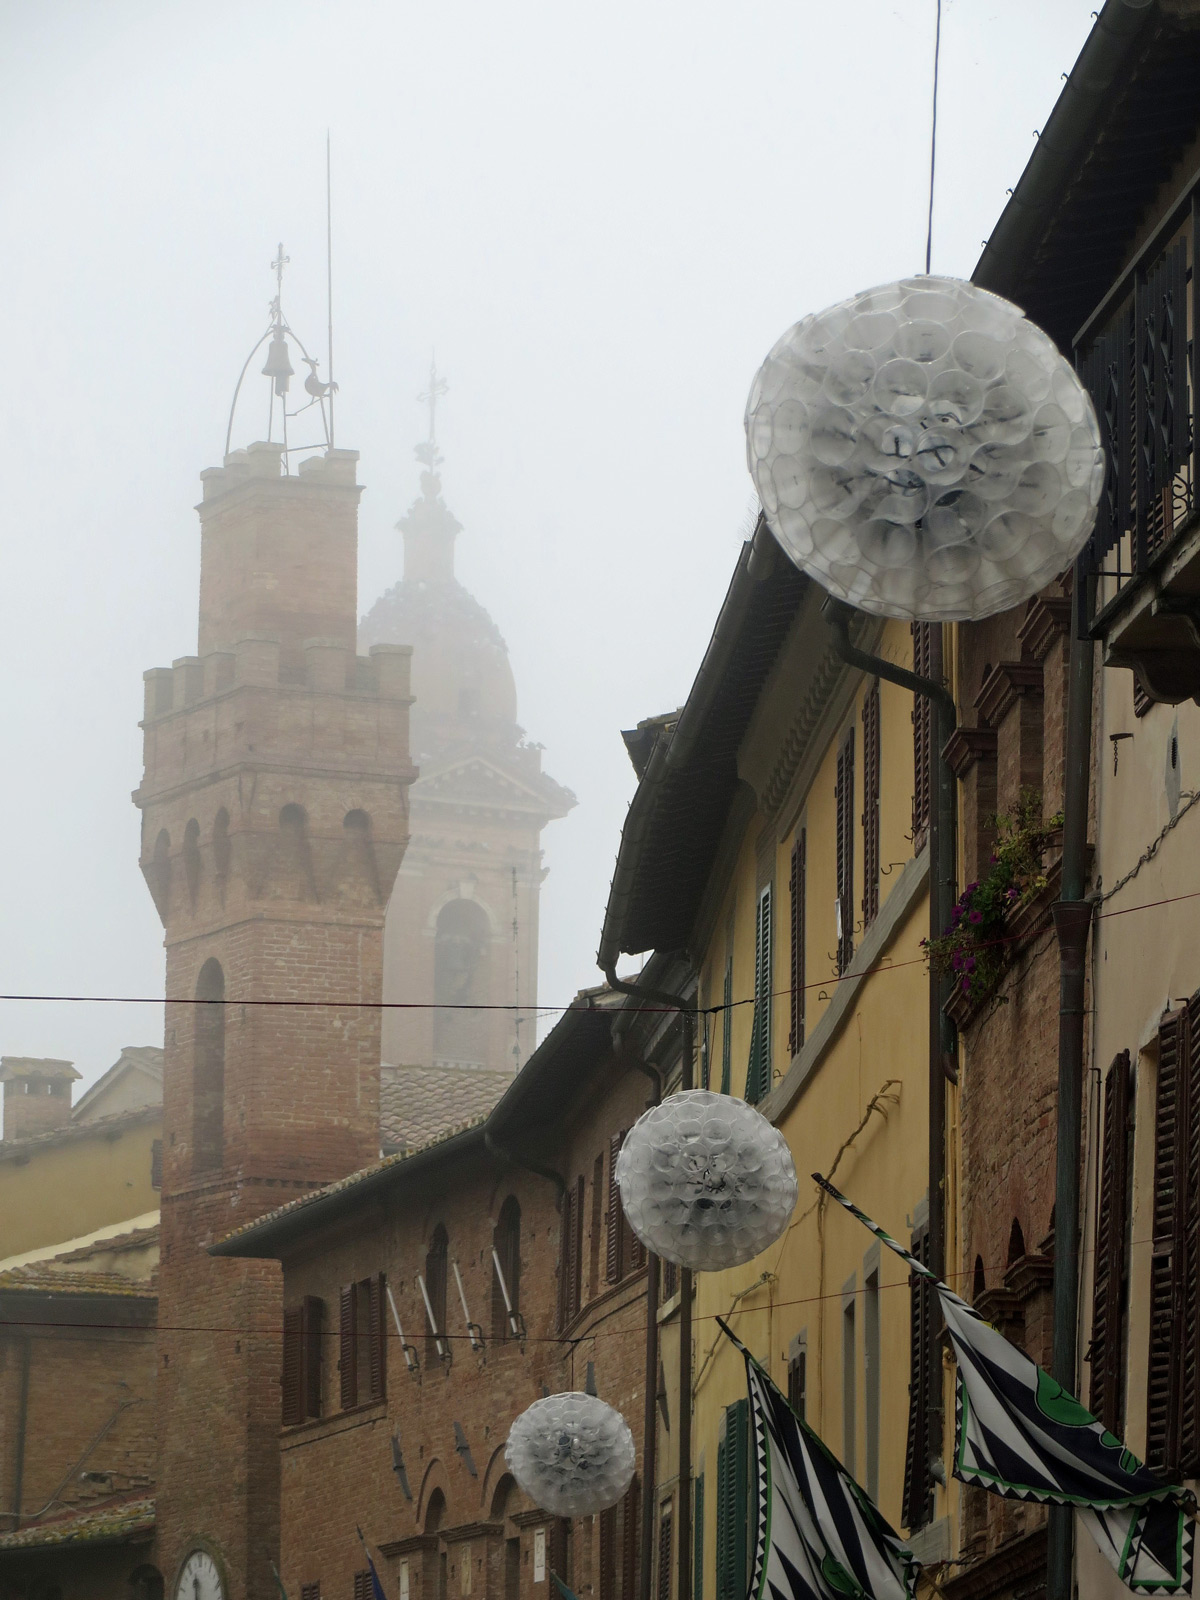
{"x":191,"y":858}
{"x":208,"y":1071}
{"x":507,"y":1243}
{"x":979,"y":1281}
{"x":435,"y":1288}
{"x":295,"y":879}
{"x":435,"y":1512}
{"x":158,"y":875}
{"x":222,"y":850}
{"x":1016,"y":1243}
{"x":460,"y":980}
{"x":360,"y":878}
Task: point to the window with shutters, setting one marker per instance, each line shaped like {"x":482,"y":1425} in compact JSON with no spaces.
{"x":630,"y":1532}
{"x":733,"y":1501}
{"x":156,"y":1164}
{"x":797,"y":1374}
{"x":624,"y":1251}
{"x":758,"y":1069}
{"x":698,"y":1537}
{"x":870,"y":815}
{"x":208,"y":1070}
{"x":310,"y":1591}
{"x":292,"y":1404}
{"x":507,"y":1243}
{"x":922,"y":722}
{"x":436,"y":1266}
{"x":704,"y":1021}
{"x":608,"y":1554}
{"x":844,"y":799}
{"x":362,"y":1586}
{"x":362,"y":1343}
{"x":1110,"y":1285}
{"x":670,"y":1282}
{"x":570,"y":1253}
{"x":727,"y":1028}
{"x":663,"y":1588}
{"x":918,"y":1480}
{"x":1172,"y":1424}
{"x":797,"y":888}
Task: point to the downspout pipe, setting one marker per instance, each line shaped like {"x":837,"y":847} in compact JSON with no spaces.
{"x":684,"y":1418}
{"x":1072,"y":923}
{"x":943,"y":1047}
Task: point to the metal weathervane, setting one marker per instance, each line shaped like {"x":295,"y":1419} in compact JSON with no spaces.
{"x":428,"y":453}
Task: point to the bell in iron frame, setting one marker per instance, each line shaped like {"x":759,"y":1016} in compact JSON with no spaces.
{"x":278,"y":365}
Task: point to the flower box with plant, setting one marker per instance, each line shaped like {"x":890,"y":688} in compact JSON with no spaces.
{"x":975,"y":947}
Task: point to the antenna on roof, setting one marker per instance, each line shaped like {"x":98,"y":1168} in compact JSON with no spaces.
{"x":329,"y":278}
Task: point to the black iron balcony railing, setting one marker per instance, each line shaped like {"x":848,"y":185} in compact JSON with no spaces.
{"x":1136,"y":356}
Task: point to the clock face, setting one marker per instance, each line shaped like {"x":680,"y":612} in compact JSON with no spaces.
{"x":200,"y":1578}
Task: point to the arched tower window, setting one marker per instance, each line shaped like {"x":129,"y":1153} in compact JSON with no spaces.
{"x":1016,"y":1243}
{"x":191,"y":858}
{"x":222,"y":850}
{"x":460,"y":980}
{"x":435,"y":1287}
{"x":979,"y":1281}
{"x":507,"y":1242}
{"x":296,"y":881}
{"x":159,"y":875}
{"x":208,"y":1071}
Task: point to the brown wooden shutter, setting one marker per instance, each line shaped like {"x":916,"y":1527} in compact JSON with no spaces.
{"x":310,"y":1591}
{"x":872,"y":770}
{"x":156,"y":1164}
{"x":631,"y":1507}
{"x":557,"y":1550}
{"x":1166,"y":1344}
{"x":348,"y":1346}
{"x":312,"y":1313}
{"x":664,"y":1553}
{"x":362,"y":1586}
{"x":1189,"y":1395}
{"x":922,"y":721}
{"x":566,"y":1250}
{"x":377,"y":1336}
{"x":844,"y":795}
{"x":608,"y":1554}
{"x":918,"y":1482}
{"x":292,"y":1397}
{"x":577,"y":1249}
{"x":798,"y":886}
{"x":616,"y":1217}
{"x":1107,"y":1395}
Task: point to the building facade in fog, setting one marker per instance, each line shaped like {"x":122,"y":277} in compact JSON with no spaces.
{"x":462,"y":925}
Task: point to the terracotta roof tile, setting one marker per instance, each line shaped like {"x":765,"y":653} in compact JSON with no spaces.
{"x":122,"y":1523}
{"x":42,"y":1277}
{"x":419,"y":1104}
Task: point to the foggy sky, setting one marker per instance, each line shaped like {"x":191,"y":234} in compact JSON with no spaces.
{"x":601,"y":216}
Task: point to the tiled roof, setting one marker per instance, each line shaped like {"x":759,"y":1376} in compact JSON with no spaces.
{"x":127,"y":1522}
{"x":74,"y":1132}
{"x":420,"y":1104}
{"x":42,"y":1277}
{"x":352,"y":1180}
{"x":114,"y":1243}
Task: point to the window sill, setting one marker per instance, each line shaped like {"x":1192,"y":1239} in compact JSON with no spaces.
{"x":669,"y":1307}
{"x":335,"y":1422}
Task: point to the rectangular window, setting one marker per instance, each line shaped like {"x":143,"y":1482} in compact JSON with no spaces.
{"x":664,"y":1552}
{"x":798,"y":885}
{"x":849,"y":1378}
{"x":1111,"y":1282}
{"x":918,"y":1481}
{"x":922,"y":721}
{"x":703,"y":1021}
{"x":631,"y":1513}
{"x":733,"y":1500}
{"x":362,"y":1586}
{"x":872,"y":774}
{"x":797,"y":1374}
{"x":624,"y":1252}
{"x":844,"y":797}
{"x":872,"y":1357}
{"x":310,"y":1591}
{"x":362,"y":1342}
{"x":758,"y":1070}
{"x":156,"y":1164}
{"x":597,"y":1225}
{"x":1172,"y":1399}
{"x":727,"y":1028}
{"x":698,"y":1538}
{"x":608,"y":1554}
{"x":568,"y":1256}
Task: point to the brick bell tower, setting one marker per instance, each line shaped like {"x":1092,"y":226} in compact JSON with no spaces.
{"x":274,"y":818}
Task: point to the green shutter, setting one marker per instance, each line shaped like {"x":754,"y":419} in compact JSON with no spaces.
{"x":727,"y":1029}
{"x":733,"y":1502}
{"x":698,"y":1540}
{"x":758,"y":1071}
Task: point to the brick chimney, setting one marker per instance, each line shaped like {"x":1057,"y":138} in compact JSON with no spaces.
{"x":37,"y":1095}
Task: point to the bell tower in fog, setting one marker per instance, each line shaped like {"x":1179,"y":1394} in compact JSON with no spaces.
{"x":274,"y":807}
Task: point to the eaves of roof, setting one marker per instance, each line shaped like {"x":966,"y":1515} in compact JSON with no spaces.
{"x":111,"y":1127}
{"x":131,"y":1522}
{"x":674,"y":823}
{"x":1125,"y":116}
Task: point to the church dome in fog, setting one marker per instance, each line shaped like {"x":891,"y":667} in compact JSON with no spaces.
{"x":461,"y":678}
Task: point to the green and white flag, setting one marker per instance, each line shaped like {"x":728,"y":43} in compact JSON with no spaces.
{"x":1019,"y":1434}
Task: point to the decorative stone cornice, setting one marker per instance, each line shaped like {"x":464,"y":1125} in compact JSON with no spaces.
{"x":1004,"y":685}
{"x":966,"y":746}
{"x":472,"y":1530}
{"x":413,"y":1545}
{"x":1048,"y":619}
{"x":796,"y":741}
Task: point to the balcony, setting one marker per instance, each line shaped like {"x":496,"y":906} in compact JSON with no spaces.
{"x":1141,"y":566}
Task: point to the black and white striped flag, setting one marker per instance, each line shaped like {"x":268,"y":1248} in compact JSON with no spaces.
{"x":814,"y":1533}
{"x":1019,"y":1434}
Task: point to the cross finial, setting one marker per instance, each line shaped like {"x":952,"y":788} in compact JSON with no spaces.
{"x":277,"y":267}
{"x":428,"y":452}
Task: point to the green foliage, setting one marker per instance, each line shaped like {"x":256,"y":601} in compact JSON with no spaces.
{"x":974,"y":948}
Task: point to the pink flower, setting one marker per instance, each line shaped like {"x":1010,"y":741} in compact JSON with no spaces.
{"x":977,"y":916}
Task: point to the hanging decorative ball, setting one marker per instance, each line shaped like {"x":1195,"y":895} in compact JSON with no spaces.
{"x":572,"y":1454}
{"x":706,"y":1181}
{"x":924,"y":451}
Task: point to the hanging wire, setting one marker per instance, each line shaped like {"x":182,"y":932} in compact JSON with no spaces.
{"x":937,"y":50}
